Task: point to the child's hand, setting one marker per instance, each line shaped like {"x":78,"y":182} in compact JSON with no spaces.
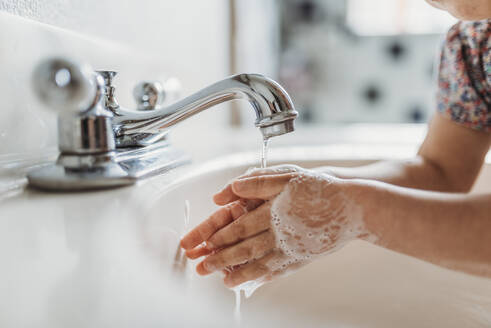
{"x":273,"y":220}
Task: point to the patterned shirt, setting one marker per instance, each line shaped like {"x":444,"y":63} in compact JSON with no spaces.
{"x":464,"y":79}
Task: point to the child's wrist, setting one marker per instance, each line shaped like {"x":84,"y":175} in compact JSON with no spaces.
{"x":372,"y":201}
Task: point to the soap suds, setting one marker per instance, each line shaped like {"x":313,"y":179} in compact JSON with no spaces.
{"x":311,"y":217}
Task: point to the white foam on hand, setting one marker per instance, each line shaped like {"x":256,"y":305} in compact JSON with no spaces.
{"x":311,"y":217}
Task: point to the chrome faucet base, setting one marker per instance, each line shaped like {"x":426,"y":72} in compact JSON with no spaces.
{"x":121,"y":168}
{"x":55,"y":177}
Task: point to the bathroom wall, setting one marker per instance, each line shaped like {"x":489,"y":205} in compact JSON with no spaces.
{"x":355,"y":70}
{"x":146,"y":39}
{"x":257,"y":43}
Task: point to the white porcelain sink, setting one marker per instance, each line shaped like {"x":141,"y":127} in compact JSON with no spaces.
{"x":105,"y":259}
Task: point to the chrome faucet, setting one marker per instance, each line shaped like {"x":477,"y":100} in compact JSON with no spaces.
{"x":104,"y":145}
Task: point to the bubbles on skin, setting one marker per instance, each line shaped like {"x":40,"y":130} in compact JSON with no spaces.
{"x":309,"y":218}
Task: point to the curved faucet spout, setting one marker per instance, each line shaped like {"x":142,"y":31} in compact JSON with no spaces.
{"x":274,"y":110}
{"x":92,"y":125}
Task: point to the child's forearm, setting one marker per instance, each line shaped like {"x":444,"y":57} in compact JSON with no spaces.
{"x":449,"y":160}
{"x":416,"y":173}
{"x":450,"y":230}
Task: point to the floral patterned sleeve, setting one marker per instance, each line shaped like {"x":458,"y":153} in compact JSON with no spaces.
{"x":464,"y":79}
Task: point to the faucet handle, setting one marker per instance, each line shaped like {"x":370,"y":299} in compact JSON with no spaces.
{"x":66,"y":85}
{"x":149,"y":95}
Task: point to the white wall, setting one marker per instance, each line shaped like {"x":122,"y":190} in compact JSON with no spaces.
{"x":257,"y":42}
{"x":145,"y":39}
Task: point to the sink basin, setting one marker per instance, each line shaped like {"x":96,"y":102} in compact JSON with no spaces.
{"x":106,"y":259}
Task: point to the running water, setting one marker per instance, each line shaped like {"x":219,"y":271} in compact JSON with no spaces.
{"x":237,"y":305}
{"x":264,"y":154}
{"x":186,"y":217}
{"x":180,"y":259}
{"x":248,"y":287}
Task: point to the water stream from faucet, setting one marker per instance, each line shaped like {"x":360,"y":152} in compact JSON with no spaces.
{"x":264,"y":154}
{"x":238,"y":296}
{"x":248,"y":291}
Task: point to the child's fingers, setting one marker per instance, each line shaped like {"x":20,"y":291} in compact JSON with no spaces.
{"x":215,"y":222}
{"x":272,"y":170}
{"x":261,"y":187}
{"x":244,"y":227}
{"x":227,"y":195}
{"x":199,"y":251}
{"x":247,"y":250}
{"x":257,"y":187}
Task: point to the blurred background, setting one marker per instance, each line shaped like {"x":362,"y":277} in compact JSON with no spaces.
{"x":342,"y":61}
{"x":345,"y":61}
